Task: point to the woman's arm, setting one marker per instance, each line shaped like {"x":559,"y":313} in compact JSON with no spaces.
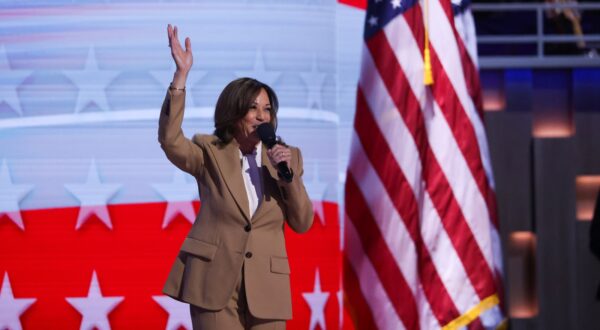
{"x":299,"y":210}
{"x":179,"y":150}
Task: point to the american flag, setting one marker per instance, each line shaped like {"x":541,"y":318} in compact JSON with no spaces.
{"x":421,"y":241}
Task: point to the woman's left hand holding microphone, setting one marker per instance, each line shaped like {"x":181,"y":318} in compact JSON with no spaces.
{"x":278,"y":154}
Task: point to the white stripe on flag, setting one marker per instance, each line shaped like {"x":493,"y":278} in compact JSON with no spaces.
{"x":449,"y":56}
{"x":402,"y":145}
{"x":441,"y":139}
{"x":394,"y":232}
{"x":382,"y":309}
{"x":465,"y":26}
{"x":388,"y":220}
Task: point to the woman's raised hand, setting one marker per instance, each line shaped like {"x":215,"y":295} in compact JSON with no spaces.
{"x":183,"y":58}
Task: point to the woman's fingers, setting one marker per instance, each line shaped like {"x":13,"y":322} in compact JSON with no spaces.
{"x":182,"y":57}
{"x":281,"y":151}
{"x":279,"y":154}
{"x":172,"y":35}
{"x":174,"y":41}
{"x":188,"y":45}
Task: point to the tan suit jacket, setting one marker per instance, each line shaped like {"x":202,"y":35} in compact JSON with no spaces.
{"x":224,"y":238}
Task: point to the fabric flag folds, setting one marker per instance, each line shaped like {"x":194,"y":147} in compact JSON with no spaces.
{"x":421,"y":246}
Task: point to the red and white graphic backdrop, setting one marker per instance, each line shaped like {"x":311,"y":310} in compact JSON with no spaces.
{"x":92,"y":214}
{"x":50,"y":262}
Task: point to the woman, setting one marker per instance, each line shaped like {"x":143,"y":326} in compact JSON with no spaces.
{"x":233,"y":268}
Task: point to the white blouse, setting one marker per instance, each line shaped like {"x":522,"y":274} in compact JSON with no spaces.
{"x":251,"y":164}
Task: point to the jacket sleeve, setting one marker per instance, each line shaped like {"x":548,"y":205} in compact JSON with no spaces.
{"x":182,"y":152}
{"x":299,"y":209}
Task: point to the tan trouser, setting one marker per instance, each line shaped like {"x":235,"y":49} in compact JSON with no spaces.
{"x":234,"y":316}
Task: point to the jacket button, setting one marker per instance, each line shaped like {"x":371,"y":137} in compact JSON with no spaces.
{"x":248,"y":254}
{"x":248,"y":228}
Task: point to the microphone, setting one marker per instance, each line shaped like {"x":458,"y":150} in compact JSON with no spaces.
{"x":267,"y":136}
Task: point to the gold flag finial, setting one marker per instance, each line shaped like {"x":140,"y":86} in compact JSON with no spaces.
{"x":428,"y":74}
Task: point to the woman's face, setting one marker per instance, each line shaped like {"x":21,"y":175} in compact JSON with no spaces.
{"x":259,"y":112}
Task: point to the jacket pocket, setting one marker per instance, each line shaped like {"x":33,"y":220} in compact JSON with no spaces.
{"x":199,"y":248}
{"x":280,"y":265}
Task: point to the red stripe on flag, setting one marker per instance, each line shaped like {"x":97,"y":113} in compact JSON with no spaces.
{"x":476,"y":325}
{"x":469,"y":69}
{"x":455,"y":116}
{"x":462,"y":129}
{"x":414,"y":18}
{"x":405,"y":202}
{"x":437,"y":185}
{"x":357,"y":305}
{"x":471,"y":76}
{"x":387,"y":270}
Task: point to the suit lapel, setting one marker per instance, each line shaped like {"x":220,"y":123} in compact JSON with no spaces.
{"x":229,"y":163}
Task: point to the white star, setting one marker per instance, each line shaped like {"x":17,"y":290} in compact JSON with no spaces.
{"x":259,"y":72}
{"x":94,"y":308}
{"x":11,"y":79}
{"x":10,"y":196}
{"x":373,"y":21}
{"x":179,"y":313}
{"x":165,"y":77}
{"x":11,"y":308}
{"x":91,"y":82}
{"x":93,"y":196}
{"x":396,"y":3}
{"x":316,"y":300}
{"x":316,"y":192}
{"x":179,"y":196}
{"x":314,"y":81}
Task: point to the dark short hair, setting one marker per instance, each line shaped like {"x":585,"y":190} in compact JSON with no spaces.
{"x":235,"y":102}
